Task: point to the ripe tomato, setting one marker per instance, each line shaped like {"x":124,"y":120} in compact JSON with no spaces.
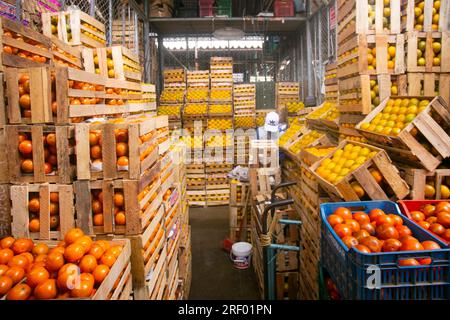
{"x":26,"y":147}
{"x":96,"y":152}
{"x":374,"y":213}
{"x":100,"y":273}
{"x":354,"y":225}
{"x":362,"y":248}
{"x":391,"y":245}
{"x":424,"y":261}
{"x":119,"y":199}
{"x":408,"y":262}
{"x":88,"y":264}
{"x":343,"y":230}
{"x":97,"y":206}
{"x":55,"y":260}
{"x":67,"y":276}
{"x":27,"y":166}
{"x":443,"y":206}
{"x":431,"y":220}
{"x":108,"y":259}
{"x":3,"y":269}
{"x":334,"y":220}
{"x":384,"y":219}
{"x":361,"y":217}
{"x":46,"y":290}
{"x":411,"y":245}
{"x":446,"y":235}
{"x":424,"y":224}
{"x":403,"y":231}
{"x":387,"y":231}
{"x":93,"y":138}
{"x":74,"y":252}
{"x":443,"y":218}
{"x":19,"y":261}
{"x":104,"y":244}
{"x":54,"y":222}
{"x":22,"y":245}
{"x":430,"y":245}
{"x":37,"y":276}
{"x":120,"y":219}
{"x":6,"y":242}
{"x":417,"y":216}
{"x":350,"y":241}
{"x":343,"y":212}
{"x":115,"y":250}
{"x":5,"y":285}
{"x":437,"y":229}
{"x":51,"y":139}
{"x":6,"y":255}
{"x":361,"y":234}
{"x":398,"y":221}
{"x":429,"y":210}
{"x":34,"y":205}
{"x":98,"y":219}
{"x":122,"y":161}
{"x":34,"y":225}
{"x":84,"y":290}
{"x":16,"y":274}
{"x":369,"y":228}
{"x":121,"y":149}
{"x":372,"y":243}
{"x":29,"y":257}
{"x":19,"y":292}
{"x":73,"y":235}
{"x":48,"y":168}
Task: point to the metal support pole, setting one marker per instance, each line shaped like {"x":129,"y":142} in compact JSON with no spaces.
{"x":160,"y":63}
{"x":309,"y":90}
{"x":318,"y":72}
{"x":110,"y":22}
{"x":92,"y":8}
{"x":136,"y":33}
{"x":19,"y":10}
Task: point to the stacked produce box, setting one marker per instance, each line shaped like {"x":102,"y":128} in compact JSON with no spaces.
{"x":244,"y":96}
{"x":240,"y":211}
{"x":172,"y":98}
{"x":288,"y":104}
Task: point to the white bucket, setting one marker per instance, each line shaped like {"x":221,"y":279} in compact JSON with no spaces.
{"x":240,"y":254}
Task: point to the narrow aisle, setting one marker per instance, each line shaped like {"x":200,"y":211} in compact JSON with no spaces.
{"x":213,"y":274}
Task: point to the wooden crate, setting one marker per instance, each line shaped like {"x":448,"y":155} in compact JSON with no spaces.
{"x":196,"y":198}
{"x":428,"y":85}
{"x":355,"y":93}
{"x":221,"y":77}
{"x":116,"y":62}
{"x":137,"y":197}
{"x":174,"y":76}
{"x":139,"y":165}
{"x":66,"y":55}
{"x":75,"y":27}
{"x":244,"y":121}
{"x":406,"y":145}
{"x":221,"y":92}
{"x":220,"y":110}
{"x":221,"y":63}
{"x":5,"y":210}
{"x":4,"y":173}
{"x":173,"y":93}
{"x":65,"y":170}
{"x":287,"y":285}
{"x":352,"y":55}
{"x":414,"y":38}
{"x":64,"y":217}
{"x":42,"y":47}
{"x":148,"y":259}
{"x":359,"y":17}
{"x":373,"y":190}
{"x":417,"y":179}
{"x":409,"y":19}
{"x":199,"y":76}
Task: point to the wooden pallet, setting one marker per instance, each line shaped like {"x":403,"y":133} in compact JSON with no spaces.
{"x":356,"y":49}
{"x":418,"y":178}
{"x":65,"y":171}
{"x":413,"y":39}
{"x":425,"y":84}
{"x":374,"y":191}
{"x":42,"y":48}
{"x":407,"y":146}
{"x":80,"y":25}
{"x":360,"y":88}
{"x":64,"y":218}
{"x":410,"y":22}
{"x":138,"y":165}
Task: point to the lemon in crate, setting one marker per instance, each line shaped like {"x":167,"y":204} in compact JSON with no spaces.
{"x":305,"y":141}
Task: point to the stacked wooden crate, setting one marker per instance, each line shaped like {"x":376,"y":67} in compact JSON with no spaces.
{"x":287,"y":96}
{"x":124,"y":33}
{"x":331,"y":83}
{"x":240,"y":211}
{"x":427,"y":47}
{"x":172,"y":98}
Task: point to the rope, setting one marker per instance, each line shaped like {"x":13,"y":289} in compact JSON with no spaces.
{"x":266,"y":239}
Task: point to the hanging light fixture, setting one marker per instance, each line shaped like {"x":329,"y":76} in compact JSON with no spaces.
{"x":228,"y":33}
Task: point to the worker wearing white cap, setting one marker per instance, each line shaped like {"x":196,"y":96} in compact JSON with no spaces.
{"x":272,"y":129}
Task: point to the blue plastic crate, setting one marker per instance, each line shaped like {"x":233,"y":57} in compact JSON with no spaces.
{"x":351,"y":269}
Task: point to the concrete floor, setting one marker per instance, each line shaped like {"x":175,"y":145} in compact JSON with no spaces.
{"x":213,"y":274}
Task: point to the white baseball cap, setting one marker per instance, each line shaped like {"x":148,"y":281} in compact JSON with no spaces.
{"x":272,"y":122}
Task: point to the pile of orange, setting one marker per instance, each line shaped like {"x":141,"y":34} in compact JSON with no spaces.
{"x":23,"y":53}
{"x":78,"y":85}
{"x":110,"y":64}
{"x":97,"y":208}
{"x":34,"y":206}
{"x":378,"y":232}
{"x":26,"y":153}
{"x":67,"y":55}
{"x":434,"y":218}
{"x":31,"y":270}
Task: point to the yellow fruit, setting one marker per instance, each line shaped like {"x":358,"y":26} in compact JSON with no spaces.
{"x":358,"y":189}
{"x":445,"y":192}
{"x":430,"y":191}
